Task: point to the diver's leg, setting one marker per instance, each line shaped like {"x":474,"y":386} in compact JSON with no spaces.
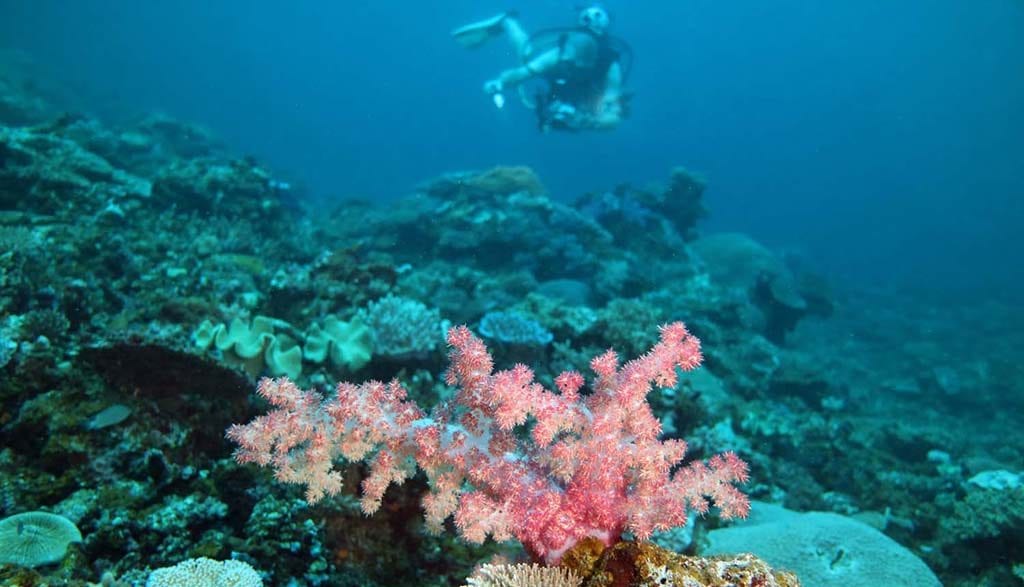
{"x":477,"y":33}
{"x":517,"y":35}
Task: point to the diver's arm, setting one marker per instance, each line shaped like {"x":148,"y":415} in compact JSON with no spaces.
{"x":510,"y":78}
{"x":609,"y":112}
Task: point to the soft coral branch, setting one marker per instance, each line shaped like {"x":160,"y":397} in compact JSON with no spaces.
{"x":593,"y":464}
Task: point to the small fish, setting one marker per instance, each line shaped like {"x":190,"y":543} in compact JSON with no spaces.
{"x":110,"y":416}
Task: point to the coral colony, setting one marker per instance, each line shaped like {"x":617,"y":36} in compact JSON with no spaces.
{"x":591,"y":465}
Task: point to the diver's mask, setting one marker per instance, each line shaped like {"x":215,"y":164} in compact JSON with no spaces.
{"x":594,"y":18}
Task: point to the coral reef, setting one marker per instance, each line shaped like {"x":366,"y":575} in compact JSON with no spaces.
{"x":129,"y":249}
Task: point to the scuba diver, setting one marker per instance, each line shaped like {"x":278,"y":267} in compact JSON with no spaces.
{"x":580,"y":70}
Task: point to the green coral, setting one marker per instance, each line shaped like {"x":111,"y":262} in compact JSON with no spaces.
{"x":346,"y":344}
{"x":257,"y":345}
{"x":252,"y":345}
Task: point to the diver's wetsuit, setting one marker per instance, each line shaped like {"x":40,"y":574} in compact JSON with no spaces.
{"x":580,"y":77}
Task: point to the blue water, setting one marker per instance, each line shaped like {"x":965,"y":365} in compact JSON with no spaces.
{"x":882,"y":140}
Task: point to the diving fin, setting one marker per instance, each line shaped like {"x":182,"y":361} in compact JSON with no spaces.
{"x":477,"y":33}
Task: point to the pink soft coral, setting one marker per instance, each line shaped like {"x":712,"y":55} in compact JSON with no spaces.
{"x":593,"y":465}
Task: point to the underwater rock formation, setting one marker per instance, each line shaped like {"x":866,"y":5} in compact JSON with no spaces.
{"x":42,"y":172}
{"x":657,"y":218}
{"x":214,"y":186}
{"x":824,"y":549}
{"x":782,"y":299}
{"x":477,"y":218}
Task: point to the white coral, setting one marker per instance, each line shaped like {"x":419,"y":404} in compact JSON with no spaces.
{"x":523,"y":575}
{"x":204,"y":572}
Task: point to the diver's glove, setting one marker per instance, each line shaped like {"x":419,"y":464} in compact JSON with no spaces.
{"x":562,"y":110}
{"x":494,"y":89}
{"x":494,"y":86}
{"x":565,"y":116}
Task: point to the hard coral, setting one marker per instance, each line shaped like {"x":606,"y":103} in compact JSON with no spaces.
{"x":497,"y":181}
{"x":633,"y":564}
